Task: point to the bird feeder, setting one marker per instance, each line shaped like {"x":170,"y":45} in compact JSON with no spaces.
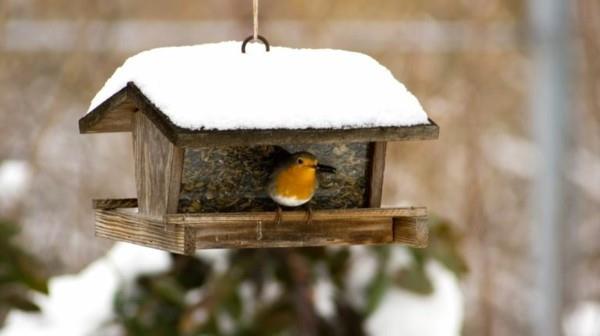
{"x":205,"y":121}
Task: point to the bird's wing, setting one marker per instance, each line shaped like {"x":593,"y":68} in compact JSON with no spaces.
{"x":278,"y":156}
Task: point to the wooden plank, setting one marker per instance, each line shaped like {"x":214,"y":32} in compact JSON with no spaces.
{"x":138,"y":229}
{"x":376,"y":170}
{"x":189,"y":246}
{"x":153,"y":113}
{"x":158,"y":168}
{"x":119,"y":203}
{"x":267,"y":234}
{"x":187,"y":138}
{"x":184,"y":233}
{"x":201,"y":219}
{"x":411,"y":230}
{"x":115,"y":115}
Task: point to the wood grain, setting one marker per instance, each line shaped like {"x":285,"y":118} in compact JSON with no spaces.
{"x":187,"y":138}
{"x":158,"y":168}
{"x":137,"y":229}
{"x":185,"y":234}
{"x":116,"y":115}
{"x":263,"y":234}
{"x":113,"y":115}
{"x":109,"y":204}
{"x":411,"y":230}
{"x":200,"y":219}
{"x":376,"y":171}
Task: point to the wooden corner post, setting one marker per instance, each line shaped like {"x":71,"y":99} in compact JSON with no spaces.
{"x":377,"y":152}
{"x":158,"y":168}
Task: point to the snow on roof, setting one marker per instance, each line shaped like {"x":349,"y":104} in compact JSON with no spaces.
{"x":215,"y":86}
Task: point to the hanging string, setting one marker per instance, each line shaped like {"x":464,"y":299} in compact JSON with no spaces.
{"x":255,"y":36}
{"x":255,"y":15}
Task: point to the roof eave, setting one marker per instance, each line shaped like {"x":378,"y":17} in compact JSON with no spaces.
{"x":116,"y":115}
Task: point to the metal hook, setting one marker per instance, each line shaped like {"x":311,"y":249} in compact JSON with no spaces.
{"x":259,"y":38}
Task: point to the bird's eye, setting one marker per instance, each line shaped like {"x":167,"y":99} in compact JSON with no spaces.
{"x":300,"y":161}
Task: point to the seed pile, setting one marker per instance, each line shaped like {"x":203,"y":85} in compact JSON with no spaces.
{"x":231,"y":179}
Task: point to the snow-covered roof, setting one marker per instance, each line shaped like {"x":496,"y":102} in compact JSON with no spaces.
{"x":216,"y":87}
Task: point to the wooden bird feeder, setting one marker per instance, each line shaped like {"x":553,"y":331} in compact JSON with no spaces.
{"x":199,"y":189}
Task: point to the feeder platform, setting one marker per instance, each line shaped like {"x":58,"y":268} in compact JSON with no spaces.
{"x":117,"y":219}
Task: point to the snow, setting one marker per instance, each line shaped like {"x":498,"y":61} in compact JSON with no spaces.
{"x":584,"y":320}
{"x":404,"y":313}
{"x":324,"y":295}
{"x":14,"y":181}
{"x":78,"y":304}
{"x":215,"y":86}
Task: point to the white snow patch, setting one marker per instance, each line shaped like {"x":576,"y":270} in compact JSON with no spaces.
{"x":363,"y":265}
{"x":584,"y":321}
{"x":408,"y":314}
{"x":14,"y":181}
{"x":399,"y":258}
{"x":218,"y":258}
{"x":272,"y":290}
{"x":323,"y":298}
{"x":78,"y":304}
{"x":215,"y":86}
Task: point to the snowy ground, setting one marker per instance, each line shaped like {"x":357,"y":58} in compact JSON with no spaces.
{"x":78,"y":304}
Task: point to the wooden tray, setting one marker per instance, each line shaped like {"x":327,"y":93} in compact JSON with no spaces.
{"x":117,"y":219}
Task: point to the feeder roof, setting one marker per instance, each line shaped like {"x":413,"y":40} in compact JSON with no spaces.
{"x":215,"y":89}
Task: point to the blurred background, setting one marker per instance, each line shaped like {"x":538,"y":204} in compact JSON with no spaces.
{"x":472,"y":63}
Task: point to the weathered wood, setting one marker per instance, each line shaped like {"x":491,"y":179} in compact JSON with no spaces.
{"x":109,"y":204}
{"x":263,"y":234}
{"x":153,"y":113}
{"x":376,"y":170}
{"x":189,"y":246}
{"x":158,"y":168}
{"x":411,"y":230}
{"x":113,"y":115}
{"x":200,"y":219}
{"x":117,"y":120}
{"x":187,"y":138}
{"x":184,"y":233}
{"x":137,"y":229}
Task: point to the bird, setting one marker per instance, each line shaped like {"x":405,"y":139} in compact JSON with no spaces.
{"x":293,"y":181}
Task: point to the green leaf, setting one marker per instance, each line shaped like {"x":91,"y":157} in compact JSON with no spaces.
{"x":22,"y":303}
{"x":414,"y":279}
{"x":30,"y":273}
{"x":376,"y":290}
{"x":338,"y":262}
{"x":451,"y":259}
{"x":168,"y":289}
{"x":7,"y":230}
{"x":445,"y":245}
{"x":233,"y":305}
{"x":272,"y":319}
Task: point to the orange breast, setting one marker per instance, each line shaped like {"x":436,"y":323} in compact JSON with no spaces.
{"x":297,"y":182}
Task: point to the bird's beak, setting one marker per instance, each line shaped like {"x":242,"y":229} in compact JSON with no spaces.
{"x":325,"y":168}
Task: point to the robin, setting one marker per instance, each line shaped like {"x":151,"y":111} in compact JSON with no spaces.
{"x":294,"y":180}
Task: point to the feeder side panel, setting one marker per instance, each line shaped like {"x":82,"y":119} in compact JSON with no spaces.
{"x":158,"y":165}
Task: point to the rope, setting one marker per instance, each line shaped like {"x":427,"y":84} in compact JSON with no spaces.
{"x":255,"y":14}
